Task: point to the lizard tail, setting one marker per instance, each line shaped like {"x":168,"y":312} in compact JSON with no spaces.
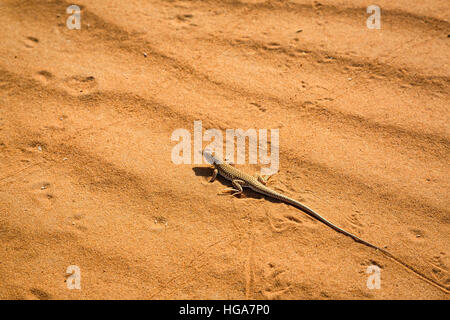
{"x":314,"y":214}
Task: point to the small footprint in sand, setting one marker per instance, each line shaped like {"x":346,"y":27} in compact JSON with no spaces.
{"x":159,"y":223}
{"x":43,"y":76}
{"x":40,"y":294}
{"x":80,"y":85}
{"x":76,"y":222}
{"x":41,"y":193}
{"x":325,"y":295}
{"x":355,"y":221}
{"x":184,"y":17}
{"x":304,"y":85}
{"x":372,"y":262}
{"x":5,"y":85}
{"x":439,"y":267}
{"x":272,"y":46}
{"x":276,"y":282}
{"x":293,"y":218}
{"x":416,"y":234}
{"x":365,"y":264}
{"x":34,"y":147}
{"x":31,"y":42}
{"x":257,"y":105}
{"x":303,"y":52}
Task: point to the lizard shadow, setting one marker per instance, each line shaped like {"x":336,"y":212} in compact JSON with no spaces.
{"x":248,"y":193}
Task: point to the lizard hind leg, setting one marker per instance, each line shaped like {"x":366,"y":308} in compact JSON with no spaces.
{"x":237,"y":184}
{"x":262,"y":179}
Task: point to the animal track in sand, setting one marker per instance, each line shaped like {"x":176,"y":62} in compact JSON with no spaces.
{"x":272,"y":46}
{"x":280,"y":225}
{"x":76,"y":222}
{"x":43,"y":76}
{"x":355,"y":221}
{"x":416,"y":234}
{"x":80,"y":85}
{"x":438,"y":264}
{"x":34,"y":146}
{"x":257,"y":105}
{"x":184,"y":17}
{"x":159,"y":223}
{"x":41,"y":193}
{"x":276,"y":282}
{"x":5,"y":85}
{"x":31,"y":42}
{"x":367,"y":263}
{"x":301,"y":218}
{"x":293,"y":219}
{"x":40,"y":294}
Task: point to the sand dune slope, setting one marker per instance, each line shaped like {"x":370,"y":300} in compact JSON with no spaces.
{"x":86,"y":176}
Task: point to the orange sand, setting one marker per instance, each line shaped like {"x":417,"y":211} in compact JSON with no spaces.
{"x":364,"y":140}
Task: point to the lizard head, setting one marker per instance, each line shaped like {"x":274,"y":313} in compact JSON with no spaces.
{"x":210,"y":158}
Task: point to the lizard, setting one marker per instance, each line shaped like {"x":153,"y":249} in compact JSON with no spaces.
{"x":257,"y":183}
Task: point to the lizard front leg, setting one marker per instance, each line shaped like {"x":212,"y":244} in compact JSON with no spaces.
{"x":214,"y":176}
